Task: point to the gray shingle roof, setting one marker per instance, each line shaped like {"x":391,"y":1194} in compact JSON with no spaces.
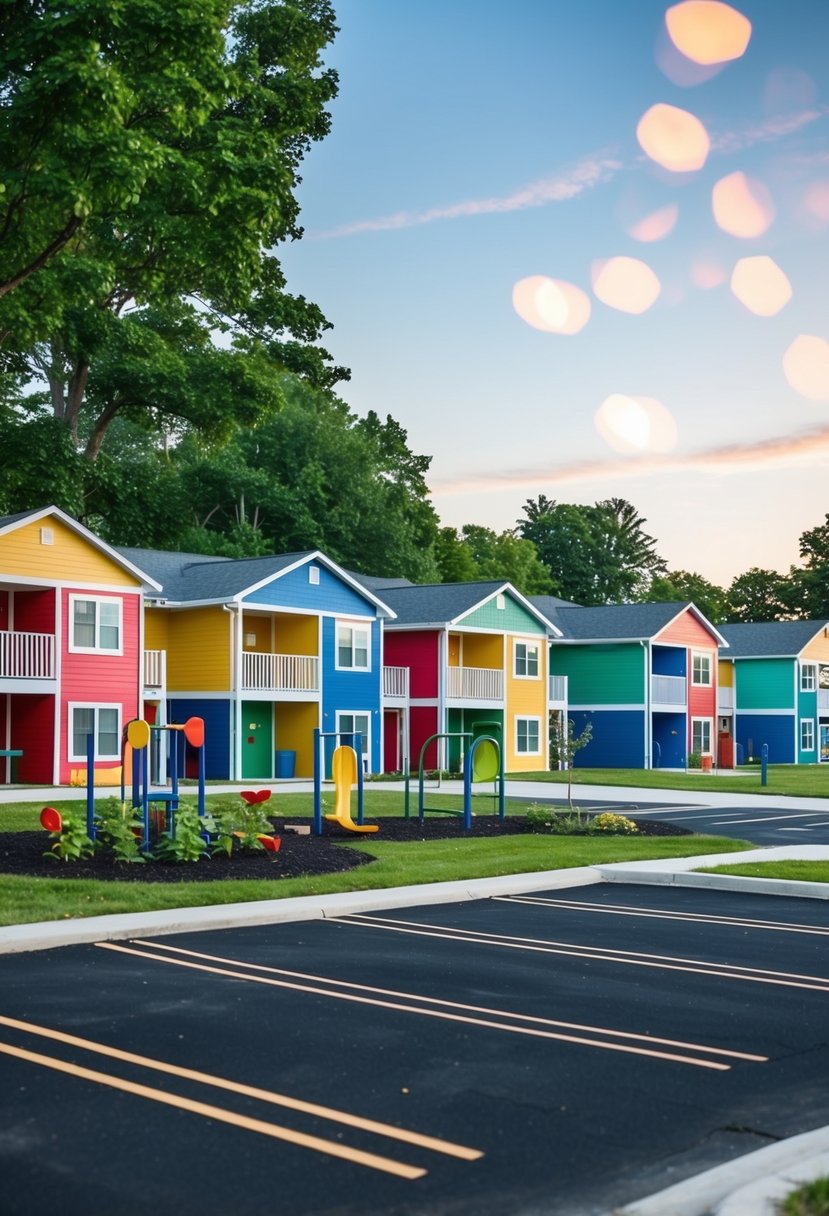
{"x":13,"y":519}
{"x":189,"y":577}
{"x":767,"y":639}
{"x":441,"y":603}
{"x":610,"y":621}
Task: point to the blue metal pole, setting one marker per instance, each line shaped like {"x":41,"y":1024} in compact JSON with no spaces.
{"x":90,"y":786}
{"x":764,"y":764}
{"x":467,"y":789}
{"x":317,"y":785}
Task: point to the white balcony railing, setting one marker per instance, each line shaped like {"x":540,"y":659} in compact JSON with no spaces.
{"x":155,"y":668}
{"x":475,"y":683}
{"x":725,"y":700}
{"x":558,"y":690}
{"x":27,"y":656}
{"x":823,"y":700}
{"x":668,"y":690}
{"x":280,"y":672}
{"x":396,"y":682}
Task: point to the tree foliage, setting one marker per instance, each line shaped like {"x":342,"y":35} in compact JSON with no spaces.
{"x":712,"y":601}
{"x":481,"y":553}
{"x":175,"y":159}
{"x":760,"y":595}
{"x":596,"y":554}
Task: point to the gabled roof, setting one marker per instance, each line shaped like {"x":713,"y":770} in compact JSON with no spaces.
{"x":617,"y":622}
{"x":437,"y":605}
{"x":10,"y":523}
{"x":771,"y":639}
{"x":198,"y":578}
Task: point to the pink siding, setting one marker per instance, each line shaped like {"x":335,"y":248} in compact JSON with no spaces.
{"x":34,"y":611}
{"x":33,"y":730}
{"x":418,"y":651}
{"x":702,"y":701}
{"x":423,"y":722}
{"x":688,"y":631}
{"x":99,"y":679}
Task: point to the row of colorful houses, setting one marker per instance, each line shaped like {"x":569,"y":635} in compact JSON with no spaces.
{"x":268,"y":649}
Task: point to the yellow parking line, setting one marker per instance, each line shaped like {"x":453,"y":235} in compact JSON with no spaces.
{"x":251,"y":1091}
{"x":274,"y":1130}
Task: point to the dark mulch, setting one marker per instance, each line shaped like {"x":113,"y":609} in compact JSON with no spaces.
{"x":22,"y":852}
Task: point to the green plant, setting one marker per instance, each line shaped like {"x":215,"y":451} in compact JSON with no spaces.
{"x":121,"y":828}
{"x":564,"y":744}
{"x":615,"y":825}
{"x":186,"y":841}
{"x":71,"y":842}
{"x":809,"y":1200}
{"x":241,"y":821}
{"x":694,"y":760}
{"x":555,"y":819}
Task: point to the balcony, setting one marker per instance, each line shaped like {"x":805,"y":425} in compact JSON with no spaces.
{"x":474,"y":684}
{"x":670,"y":691}
{"x":27,"y":656}
{"x":725,"y":701}
{"x":558,"y":690}
{"x":280,"y":673}
{"x":823,"y":700}
{"x":155,"y":668}
{"x":396,"y":683}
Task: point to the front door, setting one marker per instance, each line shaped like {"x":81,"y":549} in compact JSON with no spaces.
{"x":824,"y":741}
{"x":257,"y":740}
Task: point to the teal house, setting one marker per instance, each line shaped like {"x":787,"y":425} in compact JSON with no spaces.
{"x":774,"y":690}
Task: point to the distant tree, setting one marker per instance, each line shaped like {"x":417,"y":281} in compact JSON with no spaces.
{"x":811,"y":587}
{"x":711,"y":600}
{"x":454,"y":558}
{"x":760,"y":595}
{"x":506,"y":556}
{"x":595,"y":554}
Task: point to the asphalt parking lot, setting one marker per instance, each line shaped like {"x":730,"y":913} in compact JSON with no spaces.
{"x":566,"y":1051}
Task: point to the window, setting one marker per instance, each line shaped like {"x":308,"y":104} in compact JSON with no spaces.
{"x":352,"y":724}
{"x":807,"y":735}
{"x":103,"y":722}
{"x":95,"y":624}
{"x":701,"y":735}
{"x":528,"y":736}
{"x":808,"y":677}
{"x":314,"y":575}
{"x":526,"y":660}
{"x":701,"y":669}
{"x":352,"y":647}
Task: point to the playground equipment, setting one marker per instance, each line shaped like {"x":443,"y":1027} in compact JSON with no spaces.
{"x":343,"y":771}
{"x":137,"y":737}
{"x":483,"y":761}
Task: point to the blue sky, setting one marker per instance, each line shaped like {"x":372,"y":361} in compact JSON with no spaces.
{"x":476,"y":144}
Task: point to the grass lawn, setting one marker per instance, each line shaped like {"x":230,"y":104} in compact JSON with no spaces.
{"x":24,"y":900}
{"x":796,"y":780}
{"x":797,"y":871}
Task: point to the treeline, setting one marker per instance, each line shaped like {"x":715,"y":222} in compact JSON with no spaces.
{"x":161,"y":383}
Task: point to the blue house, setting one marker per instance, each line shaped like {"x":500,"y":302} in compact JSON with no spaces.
{"x":265,"y":649}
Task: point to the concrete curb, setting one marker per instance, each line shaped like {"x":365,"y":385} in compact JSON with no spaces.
{"x":722,"y":882}
{"x":742,"y":1187}
{"x":48,"y":935}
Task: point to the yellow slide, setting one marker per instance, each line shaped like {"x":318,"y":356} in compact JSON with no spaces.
{"x":344,"y":772}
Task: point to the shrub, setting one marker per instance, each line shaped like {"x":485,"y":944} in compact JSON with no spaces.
{"x":188,"y":843}
{"x":121,"y":828}
{"x":611,"y":824}
{"x":695,"y":760}
{"x":71,"y":842}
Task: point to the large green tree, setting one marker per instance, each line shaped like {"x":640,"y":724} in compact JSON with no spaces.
{"x":760,"y":595}
{"x":711,"y":600}
{"x":481,"y":553}
{"x":126,"y":311}
{"x":597,"y":554}
{"x":811,"y":584}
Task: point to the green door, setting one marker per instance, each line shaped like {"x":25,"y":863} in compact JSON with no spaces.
{"x":257,"y":740}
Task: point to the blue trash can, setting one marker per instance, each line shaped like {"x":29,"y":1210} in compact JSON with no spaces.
{"x":285,"y":763}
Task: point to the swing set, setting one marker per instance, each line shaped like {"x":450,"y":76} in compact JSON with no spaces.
{"x":483,"y":760}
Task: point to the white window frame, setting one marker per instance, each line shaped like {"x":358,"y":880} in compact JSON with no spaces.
{"x":701,"y":657}
{"x":807,"y":744}
{"x":353,"y":628}
{"x":366,"y":734}
{"x":96,"y":707}
{"x":97,"y":648}
{"x":702,"y":723}
{"x":527,"y":719}
{"x":808,"y":677}
{"x":529,"y":648}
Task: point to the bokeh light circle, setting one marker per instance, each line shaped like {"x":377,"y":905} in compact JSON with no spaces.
{"x":673,"y":138}
{"x":806,"y":365}
{"x":761,"y":285}
{"x":627,"y":284}
{"x":636,"y":424}
{"x":707,"y":31}
{"x":742,"y":206}
{"x":551,"y":305}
